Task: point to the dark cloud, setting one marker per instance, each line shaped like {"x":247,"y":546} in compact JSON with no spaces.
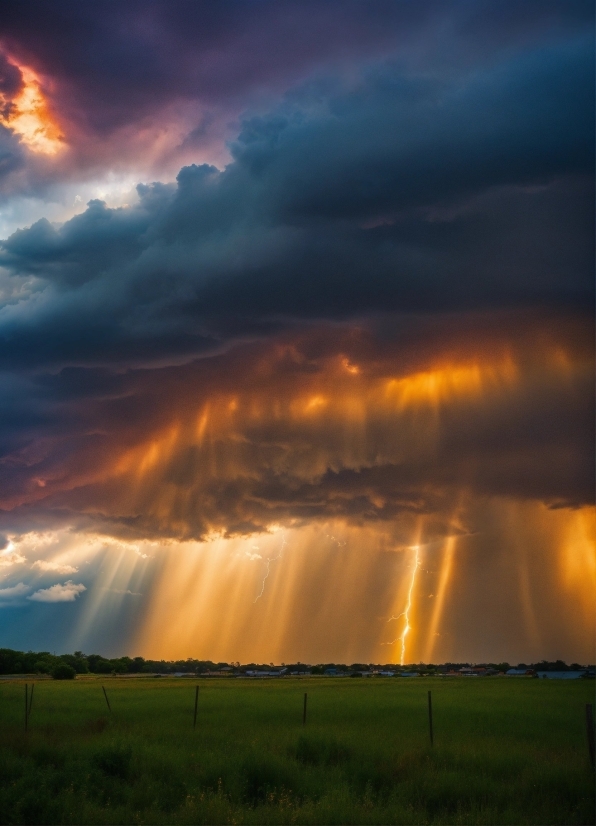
{"x":119,"y":77}
{"x":153,"y":52}
{"x":395,"y":194}
{"x":11,"y":81}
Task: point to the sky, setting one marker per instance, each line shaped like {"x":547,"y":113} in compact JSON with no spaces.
{"x":297,"y":329}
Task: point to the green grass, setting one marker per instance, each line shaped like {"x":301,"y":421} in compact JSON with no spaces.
{"x":506,"y":751}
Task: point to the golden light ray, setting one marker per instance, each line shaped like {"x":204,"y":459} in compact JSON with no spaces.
{"x":202,"y":602}
{"x":578,"y":550}
{"x":439,"y":597}
{"x":323,"y":600}
{"x":122,"y":565}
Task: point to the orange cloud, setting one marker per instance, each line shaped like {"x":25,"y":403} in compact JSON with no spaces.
{"x":284,"y":433}
{"x":29,"y":116}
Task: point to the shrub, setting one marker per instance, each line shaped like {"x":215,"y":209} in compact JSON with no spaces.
{"x":63,"y":671}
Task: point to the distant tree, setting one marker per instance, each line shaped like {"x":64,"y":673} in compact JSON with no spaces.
{"x":98,"y":664}
{"x":79,"y":664}
{"x":63,"y":671}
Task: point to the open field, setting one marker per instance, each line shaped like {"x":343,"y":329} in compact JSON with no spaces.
{"x":506,"y":751}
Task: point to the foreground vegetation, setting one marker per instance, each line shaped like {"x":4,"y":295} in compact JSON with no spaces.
{"x":506,"y":751}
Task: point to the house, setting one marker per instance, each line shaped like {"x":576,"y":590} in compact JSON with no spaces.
{"x":276,"y":672}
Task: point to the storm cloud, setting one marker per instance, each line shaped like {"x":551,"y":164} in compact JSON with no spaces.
{"x":110,"y":66}
{"x":358,"y":425}
{"x":400,"y":193}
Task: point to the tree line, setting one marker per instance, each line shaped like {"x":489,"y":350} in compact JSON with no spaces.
{"x":63,"y":666}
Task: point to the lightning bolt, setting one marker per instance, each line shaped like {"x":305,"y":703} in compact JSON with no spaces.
{"x":268,"y":562}
{"x":406,"y":613}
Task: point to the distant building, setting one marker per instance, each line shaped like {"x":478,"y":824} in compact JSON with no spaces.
{"x":275,"y":672}
{"x":562,"y":675}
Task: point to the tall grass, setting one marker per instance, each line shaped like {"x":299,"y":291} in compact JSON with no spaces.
{"x":506,"y":751}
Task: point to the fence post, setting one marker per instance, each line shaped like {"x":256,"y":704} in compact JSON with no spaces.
{"x":304,"y":710}
{"x":31,"y":697}
{"x":430,"y":717}
{"x":26,"y":705}
{"x":194,"y":723}
{"x":107,"y":701}
{"x":590,"y":731}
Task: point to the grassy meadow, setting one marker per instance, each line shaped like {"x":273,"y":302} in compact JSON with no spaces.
{"x":506,"y":751}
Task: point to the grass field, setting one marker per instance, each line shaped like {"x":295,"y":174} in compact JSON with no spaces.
{"x":506,"y":751}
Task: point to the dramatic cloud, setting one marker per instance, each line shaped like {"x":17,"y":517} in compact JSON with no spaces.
{"x":333,"y":423}
{"x":393,"y":197}
{"x":154,"y":83}
{"x":58,"y":593}
{"x":318,"y":268}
